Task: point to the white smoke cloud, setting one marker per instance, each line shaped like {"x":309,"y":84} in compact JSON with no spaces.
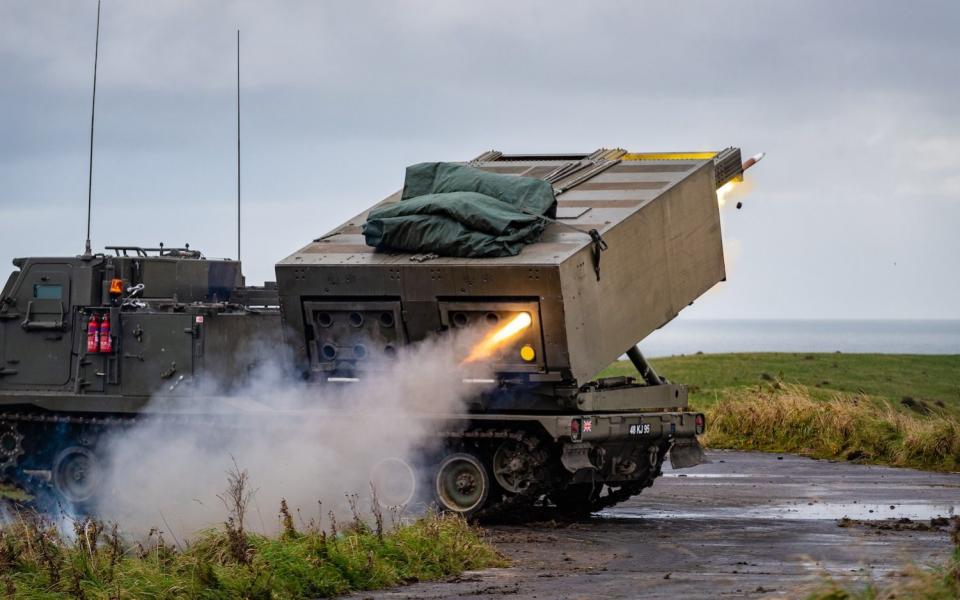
{"x":306,"y":443}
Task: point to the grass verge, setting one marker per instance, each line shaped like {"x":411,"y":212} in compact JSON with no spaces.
{"x":933,"y":380}
{"x":12,"y":493}
{"x":914,"y":583}
{"x":900,"y":410}
{"x":39,"y":561}
{"x":786,"y":418}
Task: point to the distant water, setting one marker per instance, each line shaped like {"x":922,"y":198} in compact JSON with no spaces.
{"x":736,"y":335}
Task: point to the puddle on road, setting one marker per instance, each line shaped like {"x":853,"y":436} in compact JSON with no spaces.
{"x":798,"y":512}
{"x":718,"y":475}
{"x":870,"y":512}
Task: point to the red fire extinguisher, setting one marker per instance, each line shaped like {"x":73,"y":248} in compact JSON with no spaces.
{"x":106,"y":343}
{"x":93,"y":335}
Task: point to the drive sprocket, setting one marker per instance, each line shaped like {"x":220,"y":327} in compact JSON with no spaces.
{"x":11,"y":445}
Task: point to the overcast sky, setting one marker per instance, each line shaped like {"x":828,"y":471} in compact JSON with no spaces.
{"x":853,"y":214}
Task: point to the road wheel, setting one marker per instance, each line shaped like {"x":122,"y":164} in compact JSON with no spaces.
{"x":395,"y":481}
{"x":462,"y":484}
{"x":76,"y":475}
{"x":513,"y":467}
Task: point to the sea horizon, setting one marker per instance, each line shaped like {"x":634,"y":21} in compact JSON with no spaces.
{"x":881,"y":336}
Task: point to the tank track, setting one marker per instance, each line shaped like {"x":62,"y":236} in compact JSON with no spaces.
{"x":531,"y":504}
{"x":6,"y":417}
{"x":581,"y":499}
{"x":623,"y":493}
{"x":548,"y":476}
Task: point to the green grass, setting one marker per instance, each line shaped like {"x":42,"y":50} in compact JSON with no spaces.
{"x":12,"y":493}
{"x":930,"y":378}
{"x":900,"y":410}
{"x":37,"y":561}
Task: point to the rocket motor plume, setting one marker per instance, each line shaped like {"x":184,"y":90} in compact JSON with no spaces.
{"x":724,"y":191}
{"x":487,"y":345}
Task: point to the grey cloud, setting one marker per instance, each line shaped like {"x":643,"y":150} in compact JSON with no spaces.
{"x":856,"y":103}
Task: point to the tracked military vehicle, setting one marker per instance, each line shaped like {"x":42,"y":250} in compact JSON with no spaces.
{"x":86,"y":342}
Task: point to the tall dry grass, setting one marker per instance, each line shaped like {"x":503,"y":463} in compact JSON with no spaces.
{"x":39,"y":559}
{"x":785,"y":418}
{"x":94,"y":561}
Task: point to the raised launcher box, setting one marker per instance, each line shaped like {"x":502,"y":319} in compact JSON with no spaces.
{"x":657,"y":215}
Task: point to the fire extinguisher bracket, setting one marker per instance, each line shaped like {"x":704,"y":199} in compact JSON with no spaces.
{"x":93,"y":334}
{"x":100,"y":331}
{"x":106,"y":339}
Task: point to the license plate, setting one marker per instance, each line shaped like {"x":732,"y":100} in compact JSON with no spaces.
{"x":640,"y":429}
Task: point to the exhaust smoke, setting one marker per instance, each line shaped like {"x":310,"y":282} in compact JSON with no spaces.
{"x":309,"y":444}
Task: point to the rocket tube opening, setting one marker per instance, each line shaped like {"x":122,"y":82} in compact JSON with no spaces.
{"x":386,"y":319}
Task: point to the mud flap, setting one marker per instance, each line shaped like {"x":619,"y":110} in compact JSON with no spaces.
{"x":687,"y":453}
{"x":577,"y":456}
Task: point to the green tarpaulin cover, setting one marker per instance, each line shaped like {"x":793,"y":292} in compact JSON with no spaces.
{"x":455,"y":210}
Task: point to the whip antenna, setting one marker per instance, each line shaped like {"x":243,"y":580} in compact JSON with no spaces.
{"x":238,"y":145}
{"x":93,"y":111}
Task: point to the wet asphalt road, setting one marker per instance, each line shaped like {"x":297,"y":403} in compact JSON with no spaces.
{"x":746,"y":525}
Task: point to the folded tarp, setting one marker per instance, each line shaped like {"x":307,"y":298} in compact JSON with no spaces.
{"x":455,"y":210}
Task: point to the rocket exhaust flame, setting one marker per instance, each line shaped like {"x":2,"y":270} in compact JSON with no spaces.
{"x":489,"y":344}
{"x":724,"y":191}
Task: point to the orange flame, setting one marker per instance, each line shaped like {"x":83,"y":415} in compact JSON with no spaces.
{"x":724,"y":191}
{"x":490,"y":343}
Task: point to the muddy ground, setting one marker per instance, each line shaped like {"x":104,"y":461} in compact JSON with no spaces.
{"x":745,"y":525}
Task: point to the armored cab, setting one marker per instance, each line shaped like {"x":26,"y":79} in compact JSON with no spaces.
{"x":87,"y":341}
{"x":156,"y":312}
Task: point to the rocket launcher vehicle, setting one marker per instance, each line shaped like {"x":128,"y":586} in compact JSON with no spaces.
{"x":91,"y":343}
